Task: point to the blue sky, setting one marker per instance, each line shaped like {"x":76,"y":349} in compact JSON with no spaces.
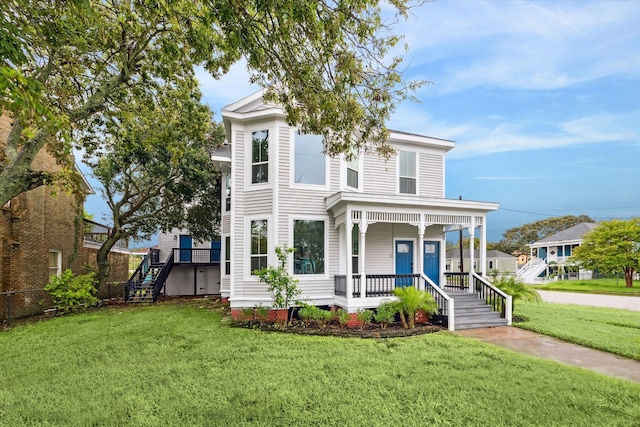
{"x":541,"y":97}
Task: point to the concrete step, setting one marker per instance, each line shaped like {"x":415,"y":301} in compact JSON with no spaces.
{"x":480,"y":324}
{"x":478,"y":320}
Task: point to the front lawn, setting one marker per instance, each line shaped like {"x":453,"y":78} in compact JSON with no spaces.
{"x":608,"y":329}
{"x":595,"y":286}
{"x":174,"y":364}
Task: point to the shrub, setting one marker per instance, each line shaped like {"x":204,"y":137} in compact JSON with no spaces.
{"x":284,"y":288}
{"x":262,"y":313}
{"x":385,"y":314}
{"x":410,"y":300}
{"x":364,"y":317}
{"x":311,"y":313}
{"x":343,"y":317}
{"x":71,"y":293}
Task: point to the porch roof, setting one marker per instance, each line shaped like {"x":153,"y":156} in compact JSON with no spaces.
{"x":408,"y":208}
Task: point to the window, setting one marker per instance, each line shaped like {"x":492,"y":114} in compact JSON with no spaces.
{"x":407,"y":172}
{"x":258,"y":245}
{"x":355,"y":245}
{"x":490,"y":265}
{"x":55,"y":263}
{"x":352,"y":172}
{"x":447,"y":267}
{"x":308,"y":241}
{"x":310,"y":165}
{"x":227,"y":255}
{"x":227,"y":186}
{"x":260,"y":156}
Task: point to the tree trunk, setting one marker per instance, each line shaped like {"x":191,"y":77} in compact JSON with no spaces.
{"x":628,"y":277}
{"x":102,"y":258}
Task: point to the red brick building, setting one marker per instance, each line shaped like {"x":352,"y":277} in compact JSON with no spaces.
{"x":42,"y":234}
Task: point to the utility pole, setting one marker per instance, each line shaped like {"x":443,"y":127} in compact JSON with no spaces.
{"x":461,"y":250}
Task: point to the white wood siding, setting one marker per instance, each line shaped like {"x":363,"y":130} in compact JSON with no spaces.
{"x":430,"y":175}
{"x":379,"y":174}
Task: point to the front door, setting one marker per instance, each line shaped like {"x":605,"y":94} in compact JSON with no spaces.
{"x":404,"y":262}
{"x":185,"y":248}
{"x":432,"y":261}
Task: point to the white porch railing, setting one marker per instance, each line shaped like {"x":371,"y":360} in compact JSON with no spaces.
{"x":445,"y":302}
{"x":497,"y":299}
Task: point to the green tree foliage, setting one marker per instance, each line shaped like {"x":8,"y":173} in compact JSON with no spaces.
{"x":328,"y":63}
{"x":517,"y":238}
{"x":612,"y":246}
{"x":72,"y":293}
{"x":153,"y":159}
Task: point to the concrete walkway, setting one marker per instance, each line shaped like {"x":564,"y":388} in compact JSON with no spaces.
{"x":534,"y":344}
{"x":613,"y":301}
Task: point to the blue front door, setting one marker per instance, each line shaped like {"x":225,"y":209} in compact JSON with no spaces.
{"x":432,"y":261}
{"x":404,"y":262}
{"x":215,"y":251}
{"x":185,"y":248}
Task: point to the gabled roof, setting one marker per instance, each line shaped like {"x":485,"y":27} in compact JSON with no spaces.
{"x":493,"y":253}
{"x":570,"y":234}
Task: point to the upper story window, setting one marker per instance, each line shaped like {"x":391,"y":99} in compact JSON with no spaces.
{"x":259,"y":156}
{"x":310,"y":162}
{"x":407,"y":172}
{"x":353,"y":168}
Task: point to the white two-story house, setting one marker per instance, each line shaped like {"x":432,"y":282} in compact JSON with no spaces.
{"x":359,"y":227}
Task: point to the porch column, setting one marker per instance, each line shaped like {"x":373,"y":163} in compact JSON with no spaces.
{"x":472,"y":231}
{"x":361,"y":253}
{"x":421,"y":228}
{"x":483,"y":247}
{"x":349,"y":252}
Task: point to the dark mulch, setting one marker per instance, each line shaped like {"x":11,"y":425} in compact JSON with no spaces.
{"x":394,"y":330}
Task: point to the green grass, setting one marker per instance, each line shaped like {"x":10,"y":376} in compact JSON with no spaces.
{"x":596,"y":286}
{"x":179,"y":365}
{"x":608,"y":329}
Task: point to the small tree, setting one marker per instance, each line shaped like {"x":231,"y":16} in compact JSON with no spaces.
{"x":410,"y":300}
{"x":517,"y":290}
{"x":284,"y":288}
{"x":612,"y":246}
{"x":385,"y":314}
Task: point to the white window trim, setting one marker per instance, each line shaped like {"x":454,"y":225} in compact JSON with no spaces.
{"x":343,"y":173}
{"x":248,"y":153}
{"x":306,"y":277}
{"x":223,"y":254}
{"x":417,"y":177}
{"x":59,"y":266}
{"x":292,"y":163}
{"x":246,"y":268}
{"x":228,"y":178}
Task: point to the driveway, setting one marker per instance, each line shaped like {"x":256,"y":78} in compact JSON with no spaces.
{"x":612,"y":301}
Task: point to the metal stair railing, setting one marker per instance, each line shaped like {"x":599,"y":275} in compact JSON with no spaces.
{"x":138,"y":276}
{"x":161,"y":278}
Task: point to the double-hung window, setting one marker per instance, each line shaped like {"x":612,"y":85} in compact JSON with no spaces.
{"x":353,"y":166}
{"x":227,"y":188}
{"x":407,"y":172}
{"x":227,"y":255}
{"x":355,"y":245}
{"x":258,"y":245}
{"x":259,"y":156}
{"x":308,"y":241}
{"x":55,"y":263}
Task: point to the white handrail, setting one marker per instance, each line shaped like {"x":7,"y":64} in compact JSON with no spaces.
{"x":450,"y":314}
{"x":508,"y":313}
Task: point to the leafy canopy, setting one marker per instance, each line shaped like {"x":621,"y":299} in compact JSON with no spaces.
{"x":328,"y":63}
{"x":612,"y":246}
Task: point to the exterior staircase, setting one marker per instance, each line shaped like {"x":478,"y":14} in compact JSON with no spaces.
{"x":472,"y":312}
{"x":148,"y":280}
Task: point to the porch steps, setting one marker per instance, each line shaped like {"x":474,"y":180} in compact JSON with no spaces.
{"x":143,"y":291}
{"x":471,"y":312}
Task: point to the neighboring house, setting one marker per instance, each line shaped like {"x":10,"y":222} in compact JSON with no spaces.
{"x":359,"y":227}
{"x":522,"y":257}
{"x":41,"y":234}
{"x":495,"y":261}
{"x":554,"y":250}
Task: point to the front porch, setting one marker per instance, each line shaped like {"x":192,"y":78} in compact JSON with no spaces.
{"x":465,"y":301}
